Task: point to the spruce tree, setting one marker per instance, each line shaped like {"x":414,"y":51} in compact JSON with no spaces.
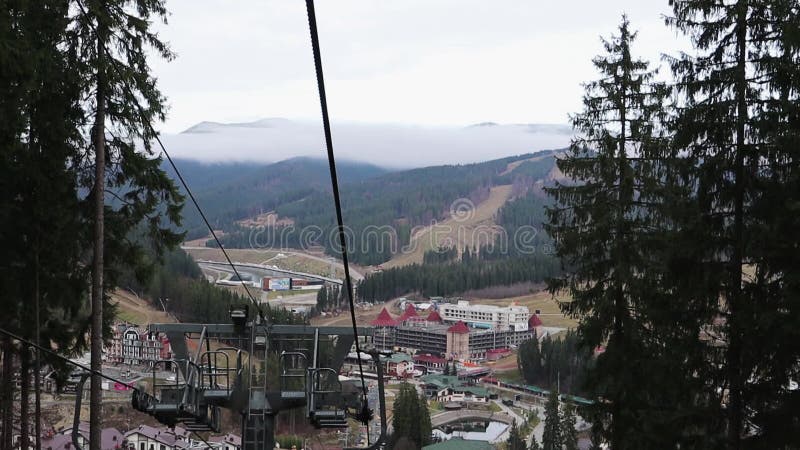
{"x":41,"y":230}
{"x":568,"y":422}
{"x":515,"y":440}
{"x":425,"y":427}
{"x":113,"y":40}
{"x":322,"y":299}
{"x":738,"y":126}
{"x":604,"y":224}
{"x":551,"y":438}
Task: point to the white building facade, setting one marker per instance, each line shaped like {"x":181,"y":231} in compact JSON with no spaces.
{"x":513,"y":317}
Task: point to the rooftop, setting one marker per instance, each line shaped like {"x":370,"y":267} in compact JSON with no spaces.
{"x":399,"y":357}
{"x":455,"y":383}
{"x":460,"y":328}
{"x":485,"y":308}
{"x":434,"y":317}
{"x":384,"y":319}
{"x":429,"y":358}
{"x":410,"y":311}
{"x":161,"y":435}
{"x":110,"y":438}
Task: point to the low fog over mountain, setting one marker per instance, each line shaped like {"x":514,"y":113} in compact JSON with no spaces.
{"x":387,"y":145}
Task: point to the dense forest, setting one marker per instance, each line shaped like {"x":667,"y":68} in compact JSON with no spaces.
{"x":556,"y":361}
{"x":450,"y":279}
{"x":235,"y":191}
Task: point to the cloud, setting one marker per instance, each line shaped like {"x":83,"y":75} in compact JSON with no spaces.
{"x":388,"y":145}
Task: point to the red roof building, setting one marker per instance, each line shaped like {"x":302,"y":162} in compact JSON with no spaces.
{"x":534,"y":321}
{"x":459,"y":328}
{"x":384,"y":319}
{"x":410,"y":312}
{"x":434,"y":317}
{"x":429,"y":359}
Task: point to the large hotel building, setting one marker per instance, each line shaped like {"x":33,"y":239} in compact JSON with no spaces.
{"x":456,"y":331}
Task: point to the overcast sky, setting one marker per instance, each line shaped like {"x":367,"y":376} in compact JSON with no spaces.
{"x":432,"y":63}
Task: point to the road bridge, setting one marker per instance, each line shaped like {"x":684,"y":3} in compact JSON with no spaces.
{"x":261,"y":270}
{"x":469,"y":414}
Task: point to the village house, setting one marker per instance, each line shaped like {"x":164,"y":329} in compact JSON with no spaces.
{"x":451,"y":389}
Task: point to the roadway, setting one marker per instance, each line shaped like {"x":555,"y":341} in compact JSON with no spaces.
{"x":259,"y":270}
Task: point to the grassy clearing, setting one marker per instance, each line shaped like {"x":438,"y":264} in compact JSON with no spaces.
{"x":136,"y":310}
{"x":494,"y":407}
{"x":132,"y":316}
{"x":510,"y":376}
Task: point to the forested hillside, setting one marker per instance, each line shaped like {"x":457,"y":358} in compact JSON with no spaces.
{"x":235,"y":191}
{"x":380,"y":211}
{"x":179,"y":281}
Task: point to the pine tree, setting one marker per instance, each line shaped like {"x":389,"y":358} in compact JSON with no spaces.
{"x":738,"y":128}
{"x":568,"y":422}
{"x":112,"y":40}
{"x":534,"y":444}
{"x":41,"y":149}
{"x":604,"y":224}
{"x":322,"y":299}
{"x":425,"y":426}
{"x":529,"y":360}
{"x":411,"y":418}
{"x":551,"y":438}
{"x":515,"y":439}
{"x":404,"y":409}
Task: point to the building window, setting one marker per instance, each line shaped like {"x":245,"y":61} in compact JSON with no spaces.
{"x":141,"y":446}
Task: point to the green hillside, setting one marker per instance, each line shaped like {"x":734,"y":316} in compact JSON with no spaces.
{"x":380,"y":208}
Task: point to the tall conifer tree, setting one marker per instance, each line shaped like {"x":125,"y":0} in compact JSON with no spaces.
{"x":568,"y":422}
{"x":603,"y":225}
{"x":551,"y":437}
{"x":113,"y":39}
{"x":738,"y":127}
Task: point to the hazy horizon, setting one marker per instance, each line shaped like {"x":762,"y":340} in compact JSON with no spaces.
{"x":387,"y":145}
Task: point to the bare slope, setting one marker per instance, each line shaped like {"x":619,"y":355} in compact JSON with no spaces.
{"x":471,"y":228}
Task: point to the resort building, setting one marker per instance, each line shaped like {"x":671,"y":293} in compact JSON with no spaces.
{"x":447,"y":334}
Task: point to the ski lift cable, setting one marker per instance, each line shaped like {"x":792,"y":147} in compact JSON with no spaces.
{"x":64,"y":358}
{"x":81,"y":366}
{"x":312,"y":24}
{"x":151,"y":129}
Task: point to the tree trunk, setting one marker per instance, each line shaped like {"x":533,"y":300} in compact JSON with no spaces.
{"x":618,"y":429}
{"x":24,"y":399}
{"x":37,"y":376}
{"x":734,"y":295}
{"x":8,"y":392}
{"x":96,"y":394}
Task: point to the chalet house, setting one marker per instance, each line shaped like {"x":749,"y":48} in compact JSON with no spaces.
{"x":145,"y":437}
{"x":229,"y":441}
{"x":449,"y":389}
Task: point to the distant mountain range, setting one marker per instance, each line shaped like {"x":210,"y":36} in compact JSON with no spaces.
{"x":211,"y":127}
{"x":386,"y":145}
